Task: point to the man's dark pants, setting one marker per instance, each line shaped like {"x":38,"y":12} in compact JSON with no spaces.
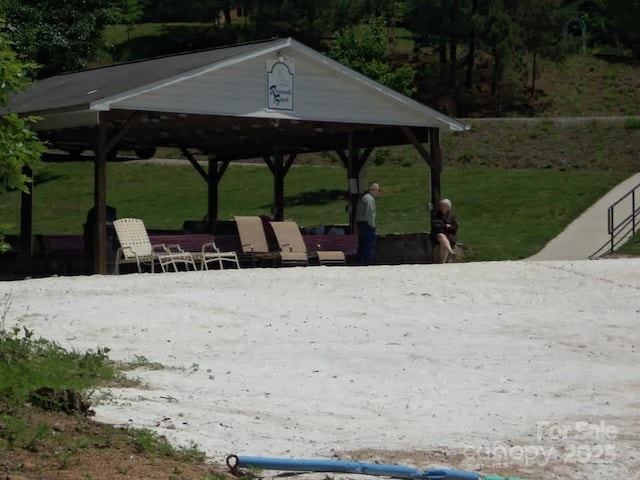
{"x":366,"y":243}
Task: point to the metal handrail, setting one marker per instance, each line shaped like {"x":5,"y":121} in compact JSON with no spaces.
{"x":620,"y":231}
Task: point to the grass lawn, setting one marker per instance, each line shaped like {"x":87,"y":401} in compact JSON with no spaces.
{"x":632,"y":247}
{"x":522,"y":143}
{"x":541,"y":143}
{"x":503,"y":213}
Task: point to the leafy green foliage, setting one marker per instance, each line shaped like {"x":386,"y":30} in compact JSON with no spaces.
{"x":126,"y":12}
{"x":365,"y":48}
{"x":63,"y":36}
{"x":632,"y":124}
{"x":28,"y":363}
{"x":613,"y":23}
{"x":19,"y":146}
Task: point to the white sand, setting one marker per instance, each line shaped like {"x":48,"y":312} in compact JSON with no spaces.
{"x":308,"y":362}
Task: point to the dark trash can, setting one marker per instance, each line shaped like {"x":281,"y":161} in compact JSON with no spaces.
{"x":89,"y":237}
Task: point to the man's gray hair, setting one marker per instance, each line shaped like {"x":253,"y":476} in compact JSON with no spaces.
{"x":446,"y":202}
{"x":374,"y":186}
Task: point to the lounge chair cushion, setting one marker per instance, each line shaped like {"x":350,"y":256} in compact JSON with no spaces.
{"x":288,"y":257}
{"x":331,"y":256}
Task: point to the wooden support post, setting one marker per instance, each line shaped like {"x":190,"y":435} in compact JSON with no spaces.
{"x":289,"y":163}
{"x":353,"y":171}
{"x":26,"y":216}
{"x":212,"y":198}
{"x":436,"y":165}
{"x":194,"y":163}
{"x":270,"y":164}
{"x":112,"y":142}
{"x":362,"y":171}
{"x":222,"y":169}
{"x":278,"y":185}
{"x":344,"y":157}
{"x":364,"y":156}
{"x":99,"y":201}
{"x":411,"y":137}
{"x":432,"y":158}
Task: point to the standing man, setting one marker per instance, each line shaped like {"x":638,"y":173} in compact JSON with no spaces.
{"x":366,"y":221}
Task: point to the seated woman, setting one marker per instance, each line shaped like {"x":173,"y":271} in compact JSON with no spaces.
{"x":444,"y":226}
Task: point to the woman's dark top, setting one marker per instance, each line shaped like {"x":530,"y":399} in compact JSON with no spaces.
{"x":439,"y":225}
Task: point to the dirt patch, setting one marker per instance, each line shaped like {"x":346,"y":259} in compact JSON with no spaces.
{"x":53,"y":445}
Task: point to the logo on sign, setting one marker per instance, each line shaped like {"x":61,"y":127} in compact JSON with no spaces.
{"x":279,"y":85}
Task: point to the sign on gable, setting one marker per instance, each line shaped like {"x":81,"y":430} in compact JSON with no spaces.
{"x":280,"y":75}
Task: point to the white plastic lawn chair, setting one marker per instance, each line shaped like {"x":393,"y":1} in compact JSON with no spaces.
{"x":211,"y":253}
{"x":135,"y":247}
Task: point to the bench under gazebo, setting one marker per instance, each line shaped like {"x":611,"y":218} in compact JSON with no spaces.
{"x":270,"y":100}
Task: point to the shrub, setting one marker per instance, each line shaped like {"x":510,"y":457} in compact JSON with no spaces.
{"x":4,"y":245}
{"x":381,"y":156}
{"x":632,"y":124}
{"x":29,"y":363}
{"x":466,"y":158}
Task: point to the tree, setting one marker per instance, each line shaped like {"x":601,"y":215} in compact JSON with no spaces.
{"x":540,"y":23}
{"x":364,"y":48}
{"x":500,"y":34}
{"x":127,"y":12}
{"x":62,"y":36}
{"x":306,"y":20}
{"x":19,"y":146}
{"x":625,"y":17}
{"x":446,"y":25}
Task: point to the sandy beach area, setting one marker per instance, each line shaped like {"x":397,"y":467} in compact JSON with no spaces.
{"x":520,"y":367}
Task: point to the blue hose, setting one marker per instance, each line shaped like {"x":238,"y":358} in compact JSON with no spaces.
{"x":341,"y":466}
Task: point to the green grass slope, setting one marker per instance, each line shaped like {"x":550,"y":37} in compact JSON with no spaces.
{"x":632,"y":247}
{"x":504,"y":213}
{"x":584,"y":85}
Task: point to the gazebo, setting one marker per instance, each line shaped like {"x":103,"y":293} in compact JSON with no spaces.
{"x":271,"y":100}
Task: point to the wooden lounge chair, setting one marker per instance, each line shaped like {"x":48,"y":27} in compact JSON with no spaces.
{"x":135,"y":247}
{"x":292,"y":246}
{"x":254,"y":241}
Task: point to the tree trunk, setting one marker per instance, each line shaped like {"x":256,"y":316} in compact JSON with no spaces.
{"x":471,"y":57}
{"x":533,"y":73}
{"x":495,"y":78}
{"x":471,"y":60}
{"x":444,"y":70}
{"x":453,"y":45}
{"x":227,"y":13}
{"x":257,"y":16}
{"x":453,"y":60}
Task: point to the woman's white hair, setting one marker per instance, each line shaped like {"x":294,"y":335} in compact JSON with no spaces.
{"x":446,"y":202}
